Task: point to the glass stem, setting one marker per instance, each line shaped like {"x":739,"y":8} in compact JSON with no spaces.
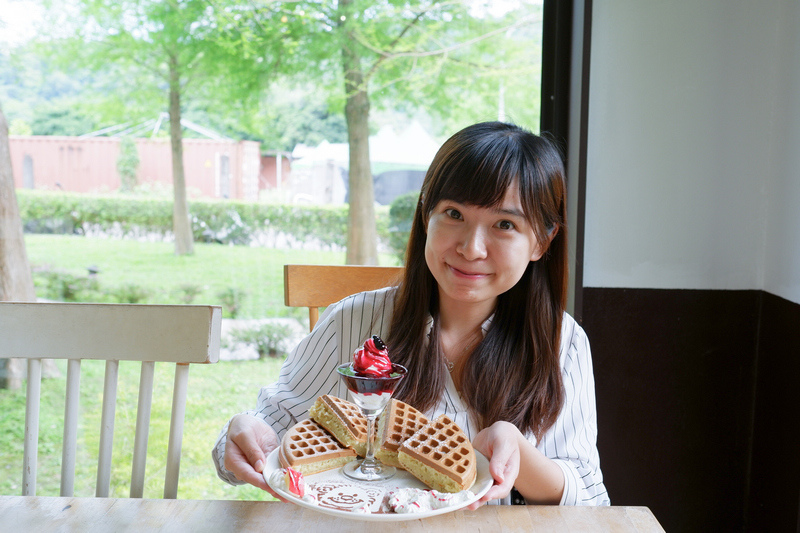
{"x":370,"y":458}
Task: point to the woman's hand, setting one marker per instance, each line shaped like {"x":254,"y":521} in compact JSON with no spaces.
{"x":249,"y":441}
{"x":515,"y":462}
{"x":500,"y":442}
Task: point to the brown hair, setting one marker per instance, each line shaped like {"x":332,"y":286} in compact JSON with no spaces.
{"x":513,"y":374}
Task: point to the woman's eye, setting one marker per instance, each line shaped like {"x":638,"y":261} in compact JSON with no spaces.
{"x":505,"y":224}
{"x":453,"y":213}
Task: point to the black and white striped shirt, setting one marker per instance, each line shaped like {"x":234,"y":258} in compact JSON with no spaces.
{"x":309,"y":371}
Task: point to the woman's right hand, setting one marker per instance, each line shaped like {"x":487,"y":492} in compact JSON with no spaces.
{"x":249,"y":441}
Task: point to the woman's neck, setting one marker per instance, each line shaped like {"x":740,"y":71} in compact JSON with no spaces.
{"x":460,"y":332}
{"x":457,"y":317}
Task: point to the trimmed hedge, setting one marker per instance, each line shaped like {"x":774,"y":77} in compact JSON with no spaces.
{"x":223,"y":221}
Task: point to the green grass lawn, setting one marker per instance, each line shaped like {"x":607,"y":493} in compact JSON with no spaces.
{"x":258,"y":272}
{"x":216,"y":392}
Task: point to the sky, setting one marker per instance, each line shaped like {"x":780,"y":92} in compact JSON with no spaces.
{"x":17,"y":21}
{"x":18,"y":17}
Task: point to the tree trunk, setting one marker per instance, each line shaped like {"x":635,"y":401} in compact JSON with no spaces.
{"x":184,"y":241}
{"x":362,"y":236}
{"x":16,"y":282}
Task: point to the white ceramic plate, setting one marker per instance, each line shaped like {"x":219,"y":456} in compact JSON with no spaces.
{"x":347,"y":492}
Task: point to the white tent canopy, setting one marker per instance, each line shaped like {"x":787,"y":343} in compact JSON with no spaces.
{"x":411,"y":149}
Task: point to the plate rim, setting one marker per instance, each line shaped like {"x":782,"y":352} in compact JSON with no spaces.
{"x":483,"y":482}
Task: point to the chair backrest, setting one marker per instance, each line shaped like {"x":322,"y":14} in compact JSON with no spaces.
{"x":180,"y":334}
{"x":316,"y":286}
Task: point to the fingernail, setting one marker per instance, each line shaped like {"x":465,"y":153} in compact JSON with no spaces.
{"x":259,"y":465}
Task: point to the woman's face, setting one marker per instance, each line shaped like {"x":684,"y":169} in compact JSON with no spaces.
{"x":478,"y":253}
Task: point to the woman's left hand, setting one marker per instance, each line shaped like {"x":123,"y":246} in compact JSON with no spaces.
{"x":500,"y":444}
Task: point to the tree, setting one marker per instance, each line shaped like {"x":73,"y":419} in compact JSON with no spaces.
{"x":389,"y":50}
{"x":16,"y":282}
{"x":162,"y":47}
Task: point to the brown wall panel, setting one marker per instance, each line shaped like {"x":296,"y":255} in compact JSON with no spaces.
{"x":774,"y":503}
{"x":675,"y":374}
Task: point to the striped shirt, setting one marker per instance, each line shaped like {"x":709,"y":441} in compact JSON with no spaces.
{"x":309,"y":371}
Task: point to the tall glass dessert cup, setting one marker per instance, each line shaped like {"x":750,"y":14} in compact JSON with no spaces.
{"x":371,"y":394}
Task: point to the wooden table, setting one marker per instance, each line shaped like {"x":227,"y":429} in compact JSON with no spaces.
{"x":45,"y":514}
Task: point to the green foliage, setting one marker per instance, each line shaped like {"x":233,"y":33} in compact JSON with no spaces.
{"x":130,"y":293}
{"x":222,"y":221}
{"x":231,"y":299}
{"x":188,"y":292}
{"x":66,"y":286}
{"x":127,"y":164}
{"x":268,"y":338}
{"x":401,"y":214}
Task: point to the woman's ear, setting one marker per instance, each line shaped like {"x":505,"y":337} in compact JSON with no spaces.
{"x":542,"y":248}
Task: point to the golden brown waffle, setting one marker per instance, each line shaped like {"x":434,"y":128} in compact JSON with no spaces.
{"x":309,"y":449}
{"x":441,"y":456}
{"x":397,"y":423}
{"x":343,"y":419}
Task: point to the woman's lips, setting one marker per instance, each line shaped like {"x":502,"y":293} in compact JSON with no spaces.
{"x":464,"y":273}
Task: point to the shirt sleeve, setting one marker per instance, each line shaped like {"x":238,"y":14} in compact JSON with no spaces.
{"x":572,"y":441}
{"x":310,"y":369}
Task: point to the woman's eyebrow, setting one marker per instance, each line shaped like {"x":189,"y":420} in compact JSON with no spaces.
{"x":512,"y":211}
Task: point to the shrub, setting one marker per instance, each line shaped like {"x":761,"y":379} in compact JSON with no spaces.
{"x":65,"y":286}
{"x":127,"y":164}
{"x":222,"y":221}
{"x":401,"y":214}
{"x":130,"y":293}
{"x":187,"y":292}
{"x":269,"y":339}
{"x":231,"y":301}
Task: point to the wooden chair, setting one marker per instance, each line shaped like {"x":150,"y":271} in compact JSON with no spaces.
{"x":180,"y":334}
{"x":316,"y":286}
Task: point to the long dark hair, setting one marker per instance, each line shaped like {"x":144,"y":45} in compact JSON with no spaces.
{"x":513,"y":374}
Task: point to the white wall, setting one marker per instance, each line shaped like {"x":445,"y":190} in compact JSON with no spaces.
{"x":694,"y":134}
{"x":782,"y":271}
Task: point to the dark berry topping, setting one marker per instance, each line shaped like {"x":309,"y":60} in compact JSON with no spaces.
{"x":378,"y":342}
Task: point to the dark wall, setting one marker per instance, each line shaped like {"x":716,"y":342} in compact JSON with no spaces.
{"x":774,"y":503}
{"x":680,"y":374}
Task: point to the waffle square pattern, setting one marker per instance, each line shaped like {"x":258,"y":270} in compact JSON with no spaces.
{"x":441,"y":456}
{"x":308,"y":448}
{"x":343,"y":419}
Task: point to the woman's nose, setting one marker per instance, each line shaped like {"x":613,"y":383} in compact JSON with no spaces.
{"x":472,"y":244}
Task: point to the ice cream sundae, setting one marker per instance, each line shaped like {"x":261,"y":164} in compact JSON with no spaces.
{"x":371,"y":379}
{"x":372,"y":359}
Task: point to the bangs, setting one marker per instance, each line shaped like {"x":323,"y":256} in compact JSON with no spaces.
{"x":480,"y":176}
{"x":479,"y":164}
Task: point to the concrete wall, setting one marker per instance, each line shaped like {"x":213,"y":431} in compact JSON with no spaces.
{"x":693,"y":174}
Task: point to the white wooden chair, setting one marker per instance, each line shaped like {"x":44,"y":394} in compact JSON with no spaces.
{"x":180,"y":334}
{"x":316,"y":286}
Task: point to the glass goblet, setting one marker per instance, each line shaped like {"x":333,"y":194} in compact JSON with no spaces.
{"x":371,"y":394}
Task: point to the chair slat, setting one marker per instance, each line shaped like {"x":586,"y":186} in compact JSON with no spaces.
{"x":142,"y":428}
{"x":176,"y":431}
{"x":107,"y":429}
{"x":70,"y":441}
{"x":31,"y":444}
{"x":183,"y":334}
{"x":316,"y":286}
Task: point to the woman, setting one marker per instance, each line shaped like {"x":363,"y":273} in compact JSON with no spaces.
{"x":479,"y":321}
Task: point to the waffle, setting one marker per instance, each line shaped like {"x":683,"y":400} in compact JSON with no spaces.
{"x":309,"y":449}
{"x":441,"y":456}
{"x":343,"y":419}
{"x":397,"y":423}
